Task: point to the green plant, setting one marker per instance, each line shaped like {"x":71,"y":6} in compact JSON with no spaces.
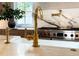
{"x":8,"y":13}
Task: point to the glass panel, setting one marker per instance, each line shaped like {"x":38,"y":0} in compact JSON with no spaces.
{"x":28,"y":17}
{"x":27,"y":7}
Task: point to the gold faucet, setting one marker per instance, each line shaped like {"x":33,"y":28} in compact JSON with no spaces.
{"x":38,"y":14}
{"x":57,"y":14}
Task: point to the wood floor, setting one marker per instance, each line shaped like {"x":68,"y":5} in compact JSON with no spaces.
{"x":23,"y":47}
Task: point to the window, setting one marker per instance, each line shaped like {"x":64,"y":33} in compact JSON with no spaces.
{"x":27,"y":20}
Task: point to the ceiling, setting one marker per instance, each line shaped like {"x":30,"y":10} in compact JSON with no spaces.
{"x":58,"y":5}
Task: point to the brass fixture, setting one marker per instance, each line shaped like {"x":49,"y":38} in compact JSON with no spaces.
{"x":57,"y":14}
{"x":61,"y":14}
{"x":38,"y":14}
{"x":7,"y":35}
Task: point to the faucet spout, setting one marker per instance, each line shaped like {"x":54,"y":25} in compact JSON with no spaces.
{"x":57,"y":14}
{"x":38,"y":14}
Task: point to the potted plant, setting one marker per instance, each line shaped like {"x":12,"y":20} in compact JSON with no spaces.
{"x":7,"y":13}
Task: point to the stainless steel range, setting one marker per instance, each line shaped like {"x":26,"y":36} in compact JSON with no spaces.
{"x":65,"y":34}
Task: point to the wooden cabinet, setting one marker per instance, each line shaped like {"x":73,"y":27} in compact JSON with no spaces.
{"x":44,"y":33}
{"x":15,"y":32}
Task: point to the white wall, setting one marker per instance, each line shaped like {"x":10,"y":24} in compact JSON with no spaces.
{"x":58,"y":5}
{"x":70,"y":13}
{"x":3,"y":24}
{"x":71,"y":10}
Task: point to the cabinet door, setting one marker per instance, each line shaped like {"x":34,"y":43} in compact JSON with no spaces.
{"x":44,"y":34}
{"x":16,"y":32}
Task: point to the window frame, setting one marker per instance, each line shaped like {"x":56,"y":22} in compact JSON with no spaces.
{"x":25,"y":21}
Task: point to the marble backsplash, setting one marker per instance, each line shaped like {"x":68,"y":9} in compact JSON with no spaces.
{"x":71,"y":14}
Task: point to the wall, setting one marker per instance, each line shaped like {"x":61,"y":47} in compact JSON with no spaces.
{"x":58,"y":5}
{"x":4,"y":23}
{"x":71,"y":10}
{"x":64,"y":23}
